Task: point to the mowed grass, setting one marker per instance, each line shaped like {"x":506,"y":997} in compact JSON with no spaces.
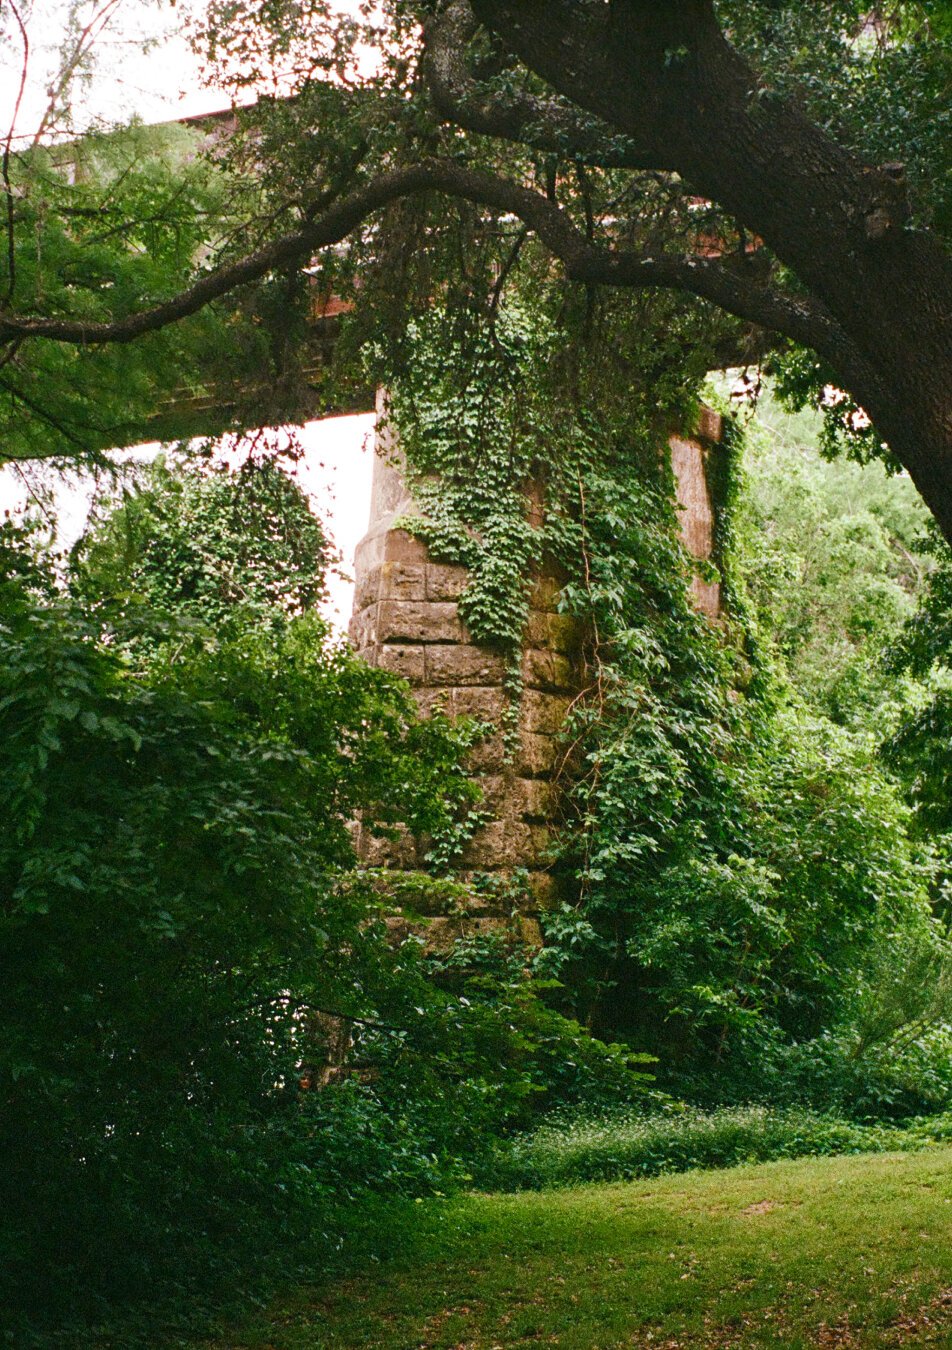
{"x":853,"y":1251}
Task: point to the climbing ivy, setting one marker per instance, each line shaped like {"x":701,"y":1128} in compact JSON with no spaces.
{"x":475,"y":435}
{"x":490,"y":462}
{"x":731,"y":864}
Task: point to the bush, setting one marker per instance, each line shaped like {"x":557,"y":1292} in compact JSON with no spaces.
{"x":905,"y":1077}
{"x":177,"y":903}
{"x":184,"y":932}
{"x":623,"y":1146}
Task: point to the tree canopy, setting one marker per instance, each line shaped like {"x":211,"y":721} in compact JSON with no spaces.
{"x":744,"y":155}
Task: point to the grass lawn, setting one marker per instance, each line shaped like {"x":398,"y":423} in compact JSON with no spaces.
{"x":850,"y":1251}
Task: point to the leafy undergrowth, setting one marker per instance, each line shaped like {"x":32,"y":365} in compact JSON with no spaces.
{"x":615,"y":1147}
{"x":849,"y":1251}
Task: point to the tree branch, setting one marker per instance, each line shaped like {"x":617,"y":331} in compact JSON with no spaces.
{"x":732,"y":285}
{"x":628,"y":63}
{"x":538,"y":123}
{"x":734,"y":288}
{"x":44,"y":415}
{"x":71,"y":62}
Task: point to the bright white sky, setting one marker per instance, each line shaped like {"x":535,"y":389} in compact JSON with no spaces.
{"x":124,"y":82}
{"x":158,"y":85}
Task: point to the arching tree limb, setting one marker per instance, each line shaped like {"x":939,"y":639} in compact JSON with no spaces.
{"x":874,"y":297}
{"x":663,"y":73}
{"x":549,"y":125}
{"x":733,"y":285}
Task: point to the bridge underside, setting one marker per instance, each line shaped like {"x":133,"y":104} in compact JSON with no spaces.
{"x":224,"y":407}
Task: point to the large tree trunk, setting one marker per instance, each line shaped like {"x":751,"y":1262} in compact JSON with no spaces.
{"x":662,"y":72}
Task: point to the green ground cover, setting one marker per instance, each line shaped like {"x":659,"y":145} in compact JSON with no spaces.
{"x":849,"y":1251}
{"x":617,"y":1146}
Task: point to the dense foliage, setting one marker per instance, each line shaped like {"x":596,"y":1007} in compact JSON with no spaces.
{"x":920,"y":748}
{"x":175,"y":903}
{"x":744,"y":890}
{"x":188,"y":946}
{"x":195,"y":545}
{"x":742,"y":862}
{"x":582,"y":1149}
{"x":98,"y":226}
{"x":213,"y":1044}
{"x":833,"y":595}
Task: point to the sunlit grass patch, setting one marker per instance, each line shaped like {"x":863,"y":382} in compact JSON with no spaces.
{"x":850,"y":1251}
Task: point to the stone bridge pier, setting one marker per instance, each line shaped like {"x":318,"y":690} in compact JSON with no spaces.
{"x":406,"y":620}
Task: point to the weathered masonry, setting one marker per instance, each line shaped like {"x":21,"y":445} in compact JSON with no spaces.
{"x":406,"y":620}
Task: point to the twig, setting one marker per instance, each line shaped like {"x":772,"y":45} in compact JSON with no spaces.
{"x":7,"y":187}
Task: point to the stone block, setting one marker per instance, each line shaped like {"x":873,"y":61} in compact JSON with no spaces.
{"x":401,"y":581}
{"x":535,"y":503}
{"x":553,"y":632}
{"x":463,"y":664}
{"x":547,"y":670}
{"x":545,"y":889}
{"x":383,"y":544}
{"x":481,"y":905}
{"x":485,"y":704}
{"x":509,"y":796}
{"x":362,"y":629}
{"x":535,"y":798}
{"x":417,"y":893}
{"x":506,"y":843}
{"x":366,"y":590}
{"x":445,"y":582}
{"x":545,"y":595}
{"x":369,"y":553}
{"x":432,"y":700}
{"x":399,"y":929}
{"x":706,"y":597}
{"x":406,"y":661}
{"x":498,"y":793}
{"x":376,"y":851}
{"x":417,"y":621}
{"x":488,"y":757}
{"x":500,"y":843}
{"x":710,"y":425}
{"x":440,"y":935}
{"x":537,"y":756}
{"x":540,"y":844}
{"x":400,"y":546}
{"x":542,"y":713}
{"x":530,"y":932}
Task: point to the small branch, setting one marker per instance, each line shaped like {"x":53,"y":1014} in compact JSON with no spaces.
{"x":505,"y":270}
{"x":9,"y":356}
{"x":31,"y":491}
{"x":44,"y":416}
{"x":7,"y":186}
{"x":710,"y":279}
{"x":84,"y":40}
{"x":354,"y":1017}
{"x":306,"y":1006}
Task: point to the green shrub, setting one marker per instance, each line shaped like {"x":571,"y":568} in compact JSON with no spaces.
{"x":176,"y":903}
{"x":184,"y":930}
{"x":622,"y":1146}
{"x":906,"y":1076}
